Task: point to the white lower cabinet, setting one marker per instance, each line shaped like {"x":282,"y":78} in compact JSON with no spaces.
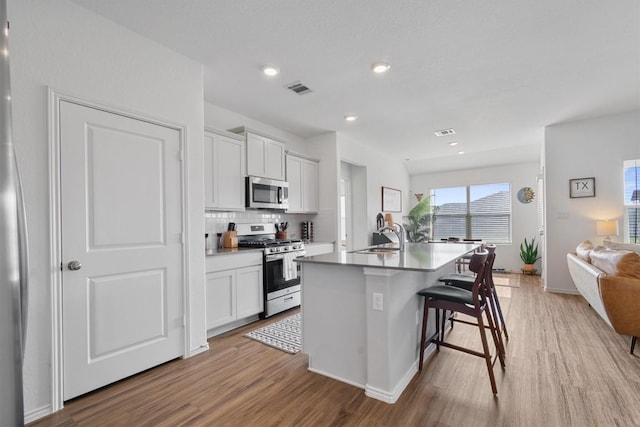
{"x":233,"y":293}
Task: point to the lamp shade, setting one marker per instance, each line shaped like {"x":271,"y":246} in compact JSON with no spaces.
{"x":607,"y":228}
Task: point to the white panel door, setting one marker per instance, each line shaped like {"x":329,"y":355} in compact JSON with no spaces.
{"x":121,"y":221}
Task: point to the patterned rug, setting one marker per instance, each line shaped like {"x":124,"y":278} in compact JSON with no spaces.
{"x":284,"y":334}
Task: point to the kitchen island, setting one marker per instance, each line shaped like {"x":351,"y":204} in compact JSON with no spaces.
{"x":361,"y":315}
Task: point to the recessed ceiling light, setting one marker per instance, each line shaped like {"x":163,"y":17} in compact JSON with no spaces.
{"x":350,"y":117}
{"x":460,"y":152}
{"x":444,"y":132}
{"x":453,"y":143}
{"x":270,"y":71}
{"x":380,"y":67}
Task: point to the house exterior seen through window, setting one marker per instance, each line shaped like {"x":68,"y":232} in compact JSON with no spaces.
{"x":473,"y":212}
{"x":632,"y":200}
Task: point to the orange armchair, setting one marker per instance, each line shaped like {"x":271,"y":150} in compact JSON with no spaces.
{"x":621,"y":299}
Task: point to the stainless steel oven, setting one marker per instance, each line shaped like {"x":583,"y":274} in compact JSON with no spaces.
{"x":263,"y":193}
{"x":281,"y":285}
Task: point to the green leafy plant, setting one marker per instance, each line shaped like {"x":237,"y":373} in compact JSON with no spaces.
{"x":529,"y":251}
{"x":418,"y":222}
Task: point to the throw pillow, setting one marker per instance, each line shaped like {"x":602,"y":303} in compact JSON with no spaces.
{"x":584,"y":250}
{"x":616,"y":262}
{"x":621,"y":246}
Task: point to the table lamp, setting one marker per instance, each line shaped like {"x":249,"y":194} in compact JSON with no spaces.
{"x":607,"y":228}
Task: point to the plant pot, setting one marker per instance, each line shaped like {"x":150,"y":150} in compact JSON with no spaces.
{"x":529,"y":267}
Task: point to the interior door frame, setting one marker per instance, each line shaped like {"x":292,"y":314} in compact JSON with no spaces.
{"x":55,"y":97}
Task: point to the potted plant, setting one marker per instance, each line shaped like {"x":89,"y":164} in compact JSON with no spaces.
{"x":529,"y":254}
{"x":418,"y":225}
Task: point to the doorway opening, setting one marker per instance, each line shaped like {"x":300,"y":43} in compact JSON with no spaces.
{"x":353,"y":206}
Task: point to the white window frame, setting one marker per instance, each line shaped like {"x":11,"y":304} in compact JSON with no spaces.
{"x":469,"y":216}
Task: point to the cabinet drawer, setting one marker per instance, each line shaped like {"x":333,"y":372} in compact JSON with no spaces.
{"x":231,"y":261}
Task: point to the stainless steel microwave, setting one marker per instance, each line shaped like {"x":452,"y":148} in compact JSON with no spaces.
{"x":264,"y":193}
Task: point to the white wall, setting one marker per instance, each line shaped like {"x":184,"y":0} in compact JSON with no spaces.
{"x":587,"y":148}
{"x":325,"y":148}
{"x":524,"y":216}
{"x":223,"y":119}
{"x":63,"y":46}
{"x":382,"y":171}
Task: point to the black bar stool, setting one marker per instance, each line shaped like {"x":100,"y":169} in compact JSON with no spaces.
{"x":465,"y":281}
{"x":471,"y":303}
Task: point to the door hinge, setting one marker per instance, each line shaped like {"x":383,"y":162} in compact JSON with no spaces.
{"x":184,"y":320}
{"x":181,"y":155}
{"x":182,"y":238}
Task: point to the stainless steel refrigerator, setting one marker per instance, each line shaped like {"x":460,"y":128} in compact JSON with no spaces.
{"x":13,"y":253}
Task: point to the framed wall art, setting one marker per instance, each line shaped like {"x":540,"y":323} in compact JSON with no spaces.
{"x":582,"y":187}
{"x":391,"y":200}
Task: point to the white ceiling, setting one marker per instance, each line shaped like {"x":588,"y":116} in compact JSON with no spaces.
{"x":497,"y":71}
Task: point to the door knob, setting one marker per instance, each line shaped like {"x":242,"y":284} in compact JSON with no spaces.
{"x":74,"y":265}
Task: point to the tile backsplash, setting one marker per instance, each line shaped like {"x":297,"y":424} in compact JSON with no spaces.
{"x":217,"y":221}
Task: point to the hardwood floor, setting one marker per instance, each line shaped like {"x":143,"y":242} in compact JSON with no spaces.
{"x":565,"y":367}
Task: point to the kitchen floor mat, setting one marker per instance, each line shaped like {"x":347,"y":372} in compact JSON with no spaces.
{"x":284,"y":334}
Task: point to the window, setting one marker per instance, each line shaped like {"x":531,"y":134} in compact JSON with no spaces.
{"x":632,"y":200}
{"x":473,"y":212}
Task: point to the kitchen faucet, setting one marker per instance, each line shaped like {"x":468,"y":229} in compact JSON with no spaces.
{"x":400,"y":234}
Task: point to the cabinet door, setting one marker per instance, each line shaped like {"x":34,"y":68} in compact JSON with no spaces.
{"x":256,"y":149}
{"x":220,"y":298}
{"x":309,"y":186}
{"x":229,"y":173}
{"x":274,"y":159}
{"x":294,"y":178}
{"x":249,"y":294}
{"x":209,"y":161}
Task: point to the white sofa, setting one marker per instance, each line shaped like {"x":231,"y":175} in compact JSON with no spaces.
{"x":586,"y":276}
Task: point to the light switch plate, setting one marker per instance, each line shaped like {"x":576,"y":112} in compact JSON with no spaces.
{"x":378,"y":301}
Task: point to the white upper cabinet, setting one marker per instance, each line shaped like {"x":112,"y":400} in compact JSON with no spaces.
{"x":224,"y":168}
{"x":265,"y":155}
{"x":302,"y":176}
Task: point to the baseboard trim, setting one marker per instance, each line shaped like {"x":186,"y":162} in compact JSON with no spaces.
{"x":36,"y":414}
{"x":198,"y":350}
{"x":562,"y":291}
{"x":335,"y":377}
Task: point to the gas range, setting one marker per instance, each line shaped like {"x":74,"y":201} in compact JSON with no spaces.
{"x":262,"y":236}
{"x":281,"y":275}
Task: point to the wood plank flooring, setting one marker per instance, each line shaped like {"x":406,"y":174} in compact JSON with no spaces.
{"x":565,"y":367}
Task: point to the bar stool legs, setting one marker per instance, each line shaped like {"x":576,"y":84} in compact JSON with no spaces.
{"x":474,"y":303}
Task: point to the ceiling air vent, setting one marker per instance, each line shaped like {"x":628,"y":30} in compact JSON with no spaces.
{"x":444,"y":132}
{"x":298,"y":88}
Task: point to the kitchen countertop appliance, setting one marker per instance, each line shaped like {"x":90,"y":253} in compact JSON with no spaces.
{"x":13,"y":253}
{"x":281,"y":275}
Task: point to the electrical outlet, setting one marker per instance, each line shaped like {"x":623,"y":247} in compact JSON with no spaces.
{"x":378,"y":301}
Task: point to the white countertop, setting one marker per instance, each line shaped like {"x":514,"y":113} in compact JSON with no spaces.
{"x":226,"y":251}
{"x":416,"y":257}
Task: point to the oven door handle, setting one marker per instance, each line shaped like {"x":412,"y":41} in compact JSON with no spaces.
{"x":276,"y":257}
